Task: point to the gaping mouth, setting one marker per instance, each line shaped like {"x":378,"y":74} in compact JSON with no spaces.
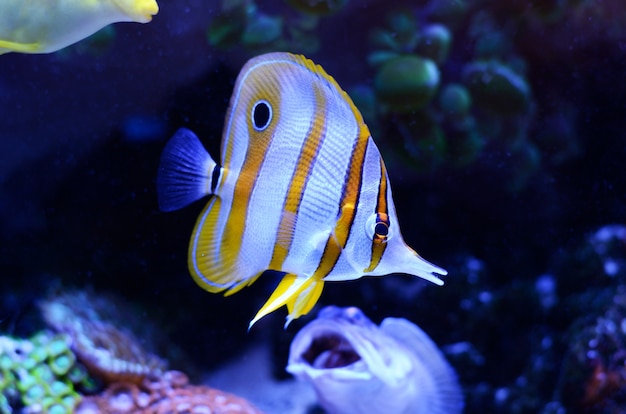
{"x":330,"y":350}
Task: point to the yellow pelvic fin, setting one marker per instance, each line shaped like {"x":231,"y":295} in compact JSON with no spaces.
{"x":306,"y":299}
{"x":299,"y":294}
{"x":20,"y":47}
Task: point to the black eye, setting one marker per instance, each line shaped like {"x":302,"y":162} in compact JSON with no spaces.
{"x":261,"y":115}
{"x":381,"y":229}
{"x":378,"y":228}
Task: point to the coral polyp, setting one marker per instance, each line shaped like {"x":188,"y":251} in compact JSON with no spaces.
{"x":169,"y":393}
{"x":35,"y":375}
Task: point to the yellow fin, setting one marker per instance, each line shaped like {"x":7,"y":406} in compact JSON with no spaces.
{"x":306,"y":299}
{"x":140,"y":11}
{"x":211,"y":262}
{"x":19,"y":47}
{"x":298,"y":293}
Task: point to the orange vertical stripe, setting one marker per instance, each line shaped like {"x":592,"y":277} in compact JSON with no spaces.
{"x":265,"y":87}
{"x":304,"y":165}
{"x":379,"y":244}
{"x":349,"y":201}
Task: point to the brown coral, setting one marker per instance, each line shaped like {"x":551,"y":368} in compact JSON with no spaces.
{"x":108,"y":353}
{"x":169,"y":394}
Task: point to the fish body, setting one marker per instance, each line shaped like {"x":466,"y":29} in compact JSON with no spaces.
{"x":357,"y":367}
{"x":301,"y":190}
{"x":44,"y":26}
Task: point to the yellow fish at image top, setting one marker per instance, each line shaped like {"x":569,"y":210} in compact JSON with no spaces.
{"x":302,"y":190}
{"x":45,"y":26}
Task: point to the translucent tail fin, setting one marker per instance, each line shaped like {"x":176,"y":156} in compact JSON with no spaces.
{"x":186,"y":173}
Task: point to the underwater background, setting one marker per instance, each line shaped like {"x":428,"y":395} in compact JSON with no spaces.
{"x":502,"y":127}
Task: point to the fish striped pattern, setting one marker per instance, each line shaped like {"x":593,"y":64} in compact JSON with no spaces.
{"x":364,"y":253}
{"x":314,"y":173}
{"x":348,"y":204}
{"x":302,"y":171}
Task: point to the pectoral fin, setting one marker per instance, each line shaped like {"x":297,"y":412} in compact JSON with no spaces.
{"x":299,"y":294}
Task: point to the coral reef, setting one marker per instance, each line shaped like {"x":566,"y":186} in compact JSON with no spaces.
{"x":45,"y":374}
{"x":439,"y":112}
{"x":110,"y":353}
{"x":406,"y":83}
{"x":40,"y":375}
{"x":567,"y":328}
{"x":593,"y":376}
{"x":242,"y":23}
{"x":169,"y":393}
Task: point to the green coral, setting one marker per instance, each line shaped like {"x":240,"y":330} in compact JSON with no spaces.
{"x":40,"y":374}
{"x":317,"y":7}
{"x":442,"y":104}
{"x":497,"y":88}
{"x":241,"y":23}
{"x":407,"y":83}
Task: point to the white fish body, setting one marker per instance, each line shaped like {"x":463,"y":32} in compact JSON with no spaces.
{"x":44,"y":26}
{"x":301,"y":189}
{"x":357,"y":367}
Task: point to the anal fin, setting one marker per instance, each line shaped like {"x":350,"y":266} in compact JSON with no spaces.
{"x":300,"y":294}
{"x":306,"y":299}
{"x":211,"y":261}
